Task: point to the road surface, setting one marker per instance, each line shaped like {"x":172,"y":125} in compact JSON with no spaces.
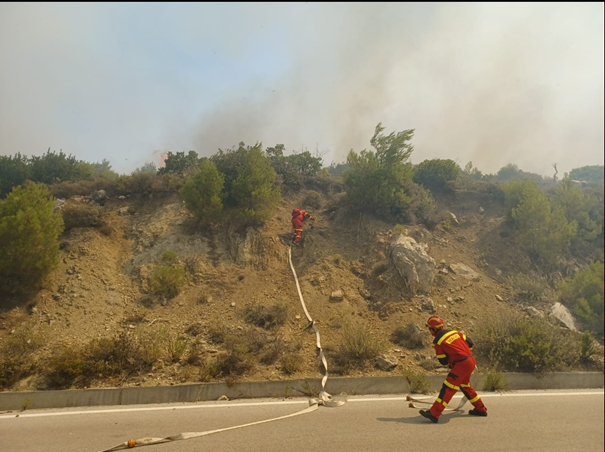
{"x":548,"y":421}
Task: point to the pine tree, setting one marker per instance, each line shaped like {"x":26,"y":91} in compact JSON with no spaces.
{"x":29,"y":231}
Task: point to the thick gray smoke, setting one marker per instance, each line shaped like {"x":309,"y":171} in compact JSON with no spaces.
{"x":488,"y":83}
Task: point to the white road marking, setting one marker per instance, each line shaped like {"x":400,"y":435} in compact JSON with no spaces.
{"x":281,"y":402}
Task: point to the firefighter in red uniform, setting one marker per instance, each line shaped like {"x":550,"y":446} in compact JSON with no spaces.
{"x":298,"y":216}
{"x":454,"y":349}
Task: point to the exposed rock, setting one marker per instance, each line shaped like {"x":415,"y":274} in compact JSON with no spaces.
{"x":123,"y":211}
{"x":427,"y":305}
{"x":59,"y":203}
{"x":223,"y":398}
{"x":99,"y":196}
{"x":481,"y":210}
{"x":533,"y":312}
{"x":464,"y":271}
{"x":499,"y":298}
{"x":562,"y":314}
{"x":453,"y":218}
{"x":386,"y":362}
{"x":413,"y":264}
{"x":337,"y":295}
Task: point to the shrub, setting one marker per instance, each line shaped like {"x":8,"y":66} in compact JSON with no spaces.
{"x":29,"y":231}
{"x":100,"y":358}
{"x":584,"y":294}
{"x":409,"y":336}
{"x":177,"y":345}
{"x":527,"y":345}
{"x":543,"y":231}
{"x":168,"y":281}
{"x":312,"y":200}
{"x":435,"y":174}
{"x":493,"y":380}
{"x":378,"y":181}
{"x":267,"y":317}
{"x":81,"y":215}
{"x":250,"y":182}
{"x":169,"y":257}
{"x":16,"y":357}
{"x":357,"y":347}
{"x":417,"y":382}
{"x":527,"y":288}
{"x":291,"y":363}
{"x":202,"y":193}
{"x":230,"y":364}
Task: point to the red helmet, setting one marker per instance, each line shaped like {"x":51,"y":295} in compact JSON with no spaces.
{"x":296,"y":211}
{"x":435,"y":323}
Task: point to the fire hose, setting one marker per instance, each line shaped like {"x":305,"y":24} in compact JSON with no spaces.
{"x":324,"y":398}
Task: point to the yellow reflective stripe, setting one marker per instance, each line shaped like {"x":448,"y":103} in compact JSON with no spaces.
{"x":464,"y":336}
{"x":441,"y":356}
{"x":438,"y":400}
{"x":445,"y":336}
{"x":448,"y":384}
{"x":465,"y":386}
{"x":444,"y":403}
{"x":474,"y":399}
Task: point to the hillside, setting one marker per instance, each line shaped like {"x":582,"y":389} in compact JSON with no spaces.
{"x":101,"y":287}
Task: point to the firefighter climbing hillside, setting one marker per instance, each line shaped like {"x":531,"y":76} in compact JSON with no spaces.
{"x":454,"y":349}
{"x":298,"y":217}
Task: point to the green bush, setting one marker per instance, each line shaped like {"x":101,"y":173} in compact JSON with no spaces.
{"x":590,"y":173}
{"x":435,"y":174}
{"x":584,"y":294}
{"x":543,"y":231}
{"x":379,"y":181}
{"x":250,"y":182}
{"x":527,"y":345}
{"x":202,"y":193}
{"x":169,"y":257}
{"x":167,"y":281}
{"x":409,"y":336}
{"x":82,"y":215}
{"x":29,"y":231}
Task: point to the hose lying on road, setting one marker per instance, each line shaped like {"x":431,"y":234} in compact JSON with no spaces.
{"x":430,"y":400}
{"x":323,"y":399}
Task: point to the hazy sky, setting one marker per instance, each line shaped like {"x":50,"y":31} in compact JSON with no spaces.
{"x":489,"y":83}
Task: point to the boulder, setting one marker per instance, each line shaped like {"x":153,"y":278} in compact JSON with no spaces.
{"x":464,"y":271}
{"x":386,"y":362}
{"x":413,"y":264}
{"x":562,"y":314}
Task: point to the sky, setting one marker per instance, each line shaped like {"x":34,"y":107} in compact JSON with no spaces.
{"x":491,"y":83}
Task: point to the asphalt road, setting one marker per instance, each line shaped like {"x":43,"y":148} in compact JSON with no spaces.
{"x":549,"y":421}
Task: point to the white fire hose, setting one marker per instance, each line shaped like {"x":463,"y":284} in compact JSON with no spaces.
{"x":324,"y":398}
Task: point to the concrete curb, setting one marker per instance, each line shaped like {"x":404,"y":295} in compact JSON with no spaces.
{"x":274,"y":389}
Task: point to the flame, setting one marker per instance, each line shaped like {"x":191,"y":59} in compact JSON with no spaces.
{"x":163,"y":158}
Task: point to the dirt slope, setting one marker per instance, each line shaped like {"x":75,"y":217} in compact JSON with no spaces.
{"x":101,"y":285}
